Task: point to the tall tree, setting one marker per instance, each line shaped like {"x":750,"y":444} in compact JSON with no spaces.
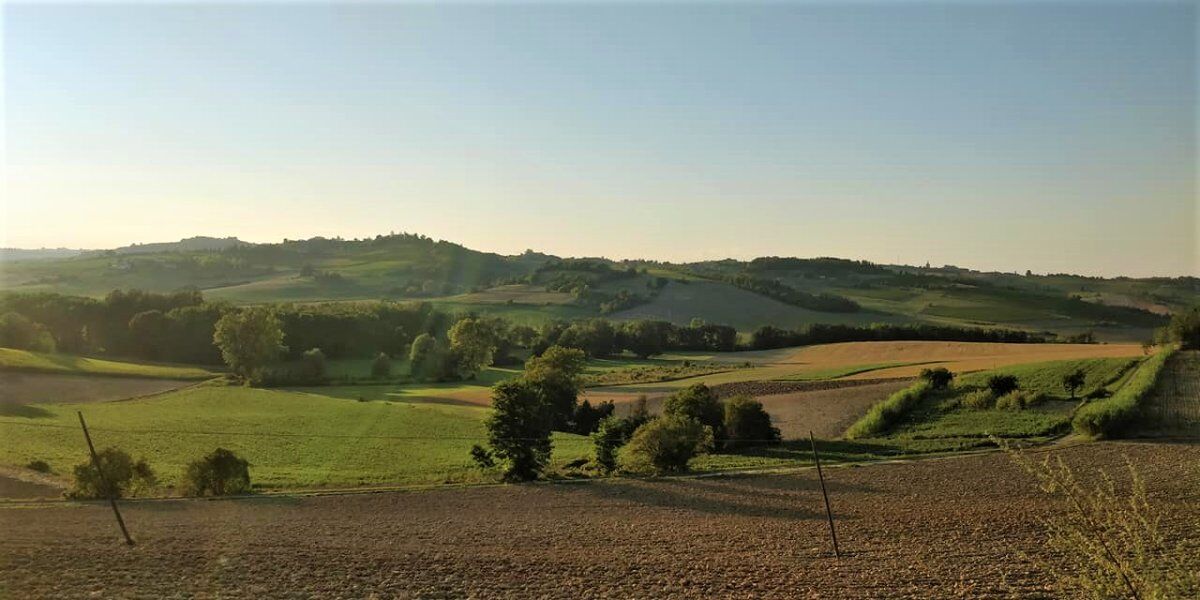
{"x":519,"y":429}
{"x":473,"y":342}
{"x":558,"y":374}
{"x":250,"y":340}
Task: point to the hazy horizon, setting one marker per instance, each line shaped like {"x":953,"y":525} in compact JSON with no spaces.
{"x":1042,"y":136}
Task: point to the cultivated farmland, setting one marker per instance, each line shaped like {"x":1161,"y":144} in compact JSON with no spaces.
{"x":964,"y":527}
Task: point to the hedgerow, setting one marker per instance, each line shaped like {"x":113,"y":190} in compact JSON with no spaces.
{"x":886,"y":414}
{"x":1110,"y":416}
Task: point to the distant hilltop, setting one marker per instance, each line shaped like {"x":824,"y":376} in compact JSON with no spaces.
{"x":199,"y":243}
{"x":192,"y":244}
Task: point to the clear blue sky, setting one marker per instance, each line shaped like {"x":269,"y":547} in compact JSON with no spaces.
{"x":1052,"y":137}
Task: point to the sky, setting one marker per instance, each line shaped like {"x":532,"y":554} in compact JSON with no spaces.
{"x":999,"y":136}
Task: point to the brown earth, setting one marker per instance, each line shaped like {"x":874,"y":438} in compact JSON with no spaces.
{"x":17,"y":388}
{"x":825,"y":407}
{"x":828,"y":412}
{"x":960,"y":527}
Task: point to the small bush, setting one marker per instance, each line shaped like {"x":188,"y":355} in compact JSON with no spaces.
{"x":381,"y":367}
{"x":39,"y":466}
{"x":1002,"y":384}
{"x":939,"y":377}
{"x":666,"y":445}
{"x":121,"y":476}
{"x":220,"y":473}
{"x":1019,"y":400}
{"x":1114,"y":415}
{"x":747,"y":424}
{"x":887,"y":414}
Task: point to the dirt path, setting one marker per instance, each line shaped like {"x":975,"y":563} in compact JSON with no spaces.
{"x":963,"y":527}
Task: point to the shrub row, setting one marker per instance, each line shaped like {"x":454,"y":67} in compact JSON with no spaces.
{"x":1111,"y":416}
{"x":886,"y":414}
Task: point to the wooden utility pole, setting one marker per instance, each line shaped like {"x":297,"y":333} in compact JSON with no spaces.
{"x":828,"y":510}
{"x":112,"y":496}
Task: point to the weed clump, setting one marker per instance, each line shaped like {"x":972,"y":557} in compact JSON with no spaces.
{"x":979,"y":399}
{"x":1112,"y":539}
{"x":1019,"y":400}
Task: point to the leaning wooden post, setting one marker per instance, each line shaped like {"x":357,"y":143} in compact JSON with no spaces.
{"x":112,"y":497}
{"x":828,"y":511}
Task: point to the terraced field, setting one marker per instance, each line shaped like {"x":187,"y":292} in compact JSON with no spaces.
{"x":968,"y":527}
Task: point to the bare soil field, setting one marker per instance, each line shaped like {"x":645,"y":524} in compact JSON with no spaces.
{"x":825,"y":407}
{"x":960,"y":527}
{"x":48,"y":388}
{"x":828,"y":412}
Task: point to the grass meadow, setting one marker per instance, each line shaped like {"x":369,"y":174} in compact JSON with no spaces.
{"x":293,"y":439}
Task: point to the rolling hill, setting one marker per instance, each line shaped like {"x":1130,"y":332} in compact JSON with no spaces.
{"x":532,"y":287}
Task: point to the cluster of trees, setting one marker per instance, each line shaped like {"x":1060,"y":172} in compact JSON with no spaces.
{"x":643,"y":338}
{"x":17,"y":331}
{"x":1183,"y":329}
{"x":525,"y":411}
{"x":693,"y":420}
{"x":773,"y":288}
{"x":179,"y":327}
{"x":773,"y":337}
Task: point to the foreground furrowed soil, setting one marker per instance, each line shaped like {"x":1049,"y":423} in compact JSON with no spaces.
{"x":960,"y":527}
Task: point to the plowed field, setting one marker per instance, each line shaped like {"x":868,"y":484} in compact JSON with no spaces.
{"x":960,"y":527}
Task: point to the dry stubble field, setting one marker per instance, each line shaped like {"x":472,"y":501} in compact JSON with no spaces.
{"x":959,"y":527}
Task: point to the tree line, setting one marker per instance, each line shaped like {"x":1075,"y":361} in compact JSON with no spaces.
{"x":768,"y":336}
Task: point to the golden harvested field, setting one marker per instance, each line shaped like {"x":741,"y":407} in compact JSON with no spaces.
{"x":817,"y":361}
{"x":885,"y":360}
{"x":957,"y":356}
{"x":965,"y":527}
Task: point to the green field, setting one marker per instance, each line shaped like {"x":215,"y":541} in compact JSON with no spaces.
{"x":293,"y":439}
{"x":942,"y":415}
{"x":24,"y":360}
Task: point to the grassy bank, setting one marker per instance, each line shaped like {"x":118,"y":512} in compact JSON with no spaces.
{"x":40,"y":362}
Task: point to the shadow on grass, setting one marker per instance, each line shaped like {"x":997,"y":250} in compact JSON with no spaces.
{"x":26,"y":411}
